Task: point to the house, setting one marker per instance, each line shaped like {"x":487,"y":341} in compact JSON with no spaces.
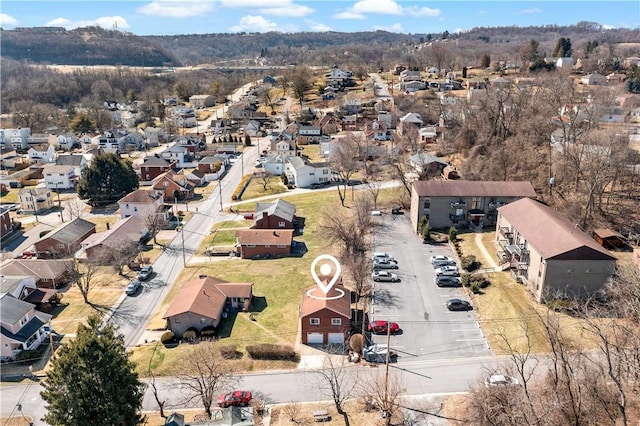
{"x":77,"y":161}
{"x":303,"y":174}
{"x":550,"y":254}
{"x":6,"y":226}
{"x":183,"y":120}
{"x":213,"y":163}
{"x":252,"y":128}
{"x":309,"y":135}
{"x":43,"y":152}
{"x":191,"y":144}
{"x":154,"y":165}
{"x":22,"y":327}
{"x":408,"y":122}
{"x":325,"y":320}
{"x":613,"y":115}
{"x":397,"y":69}
{"x":35,"y":200}
{"x":352,"y":105}
{"x":350,"y":122}
{"x":202,"y":101}
{"x":276,"y":164}
{"x":446,"y":203}
{"x":130,"y":141}
{"x":125,"y":231}
{"x":48,"y":273}
{"x":24,"y":287}
{"x":15,"y":138}
{"x":377,"y":131}
{"x":279,"y":214}
{"x":64,"y":240}
{"x":67,"y":141}
{"x":229,"y":416}
{"x":264,"y":243}
{"x":153,"y":135}
{"x":412,"y":86}
{"x":565,"y":62}
{"x":329,"y":124}
{"x":428,"y":135}
{"x":108,"y":141}
{"x":9,"y":158}
{"x":593,"y":79}
{"x":59,"y":177}
{"x":177,"y":154}
{"x":140,"y":202}
{"x":408,"y":75}
{"x":284,"y":146}
{"x":204,"y":301}
{"x":427,"y":165}
{"x":173,"y":186}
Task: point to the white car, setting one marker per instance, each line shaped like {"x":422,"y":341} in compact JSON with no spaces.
{"x":500,"y":380}
{"x":385,"y":276}
{"x":452,"y":271}
{"x":382,"y":256}
{"x":441,"y":260}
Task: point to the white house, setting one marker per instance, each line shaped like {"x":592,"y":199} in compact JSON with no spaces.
{"x":108,"y":142}
{"x":275,"y":164}
{"x":303,"y":174}
{"x":410,"y":120}
{"x":176,"y":153}
{"x":131,"y":141}
{"x":593,"y":79}
{"x":59,"y":177}
{"x":22,"y":327}
{"x":44,"y":152}
{"x":565,"y":62}
{"x":17,"y":138}
{"x":140,"y":203}
{"x":77,"y":161}
{"x":252,"y":128}
{"x":153,"y":135}
{"x":66,"y":141}
{"x":613,"y":115}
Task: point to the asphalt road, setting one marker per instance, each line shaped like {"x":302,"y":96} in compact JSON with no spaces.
{"x":428,"y":330}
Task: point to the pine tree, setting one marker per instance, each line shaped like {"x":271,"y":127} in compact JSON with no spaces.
{"x":107,"y":179}
{"x":92,"y":381}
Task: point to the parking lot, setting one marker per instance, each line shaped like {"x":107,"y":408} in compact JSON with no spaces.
{"x":428,"y":330}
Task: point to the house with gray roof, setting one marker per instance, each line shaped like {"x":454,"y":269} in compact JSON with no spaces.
{"x":64,"y":240}
{"x":461,"y":203}
{"x":279,"y":214}
{"x":77,"y":161}
{"x":552,"y":256}
{"x":303,"y":173}
{"x":21,"y":326}
{"x":427,"y":165}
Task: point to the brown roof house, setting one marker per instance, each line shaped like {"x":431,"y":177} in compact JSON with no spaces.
{"x":141,"y":202}
{"x":65,"y":239}
{"x":154,"y":165}
{"x":264,"y":243}
{"x":25,"y":288}
{"x":278,"y":214}
{"x":325,"y":318}
{"x":173,"y":186}
{"x":98,"y":246}
{"x":446,"y":203}
{"x":48,"y":273}
{"x":204,"y":301}
{"x":550,"y":254}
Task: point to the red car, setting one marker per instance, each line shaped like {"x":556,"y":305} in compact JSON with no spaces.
{"x":381,"y":327}
{"x":237,"y":398}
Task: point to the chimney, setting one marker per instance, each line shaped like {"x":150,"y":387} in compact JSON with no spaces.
{"x":275,"y":234}
{"x":108,"y":227}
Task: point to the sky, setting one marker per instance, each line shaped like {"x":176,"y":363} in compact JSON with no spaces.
{"x":170,"y":17}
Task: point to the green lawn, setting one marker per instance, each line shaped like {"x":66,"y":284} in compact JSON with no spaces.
{"x":257,"y":189}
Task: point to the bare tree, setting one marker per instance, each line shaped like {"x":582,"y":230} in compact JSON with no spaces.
{"x":384,"y":392}
{"x":204,"y":373}
{"x":345,"y":163}
{"x":122,"y":255}
{"x":154,"y":389}
{"x":75,"y":208}
{"x":292,"y":411}
{"x":348,"y":230}
{"x":155,"y":222}
{"x":82,"y":274}
{"x":337,"y":383}
{"x":265,"y":178}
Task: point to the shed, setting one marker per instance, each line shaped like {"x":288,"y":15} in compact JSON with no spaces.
{"x":609,"y":238}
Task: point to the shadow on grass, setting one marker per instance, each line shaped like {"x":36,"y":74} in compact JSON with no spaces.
{"x":226,"y":325}
{"x":258,"y":304}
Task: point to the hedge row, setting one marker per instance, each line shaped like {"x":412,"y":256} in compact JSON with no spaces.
{"x":241,"y":187}
{"x":272,"y":352}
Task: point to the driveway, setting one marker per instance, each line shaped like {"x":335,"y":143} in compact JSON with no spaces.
{"x":429,"y":330}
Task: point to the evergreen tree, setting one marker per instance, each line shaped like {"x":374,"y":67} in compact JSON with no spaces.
{"x":92,"y":381}
{"x":247,"y":140}
{"x":633,"y":79}
{"x":81,"y":123}
{"x":107,"y":179}
{"x":563,"y":48}
{"x":485,"y":62}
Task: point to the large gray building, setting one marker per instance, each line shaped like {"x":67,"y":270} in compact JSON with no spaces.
{"x":447,"y":203}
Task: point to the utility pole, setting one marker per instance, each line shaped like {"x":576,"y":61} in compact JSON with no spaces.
{"x":220,"y":189}
{"x":386,"y":377}
{"x":184,"y":257}
{"x":59,"y":203}
{"x":35,"y":204}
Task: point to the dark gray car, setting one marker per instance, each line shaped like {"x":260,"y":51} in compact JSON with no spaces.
{"x":447,"y":281}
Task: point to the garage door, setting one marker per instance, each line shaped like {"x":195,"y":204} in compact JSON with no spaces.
{"x":336,"y":338}
{"x":315,"y":338}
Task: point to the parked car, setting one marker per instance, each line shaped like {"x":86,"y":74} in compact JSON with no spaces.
{"x":385,"y":264}
{"x":458,"y":305}
{"x":447,"y":281}
{"x":378,"y":353}
{"x":448,"y":270}
{"x":145,"y":273}
{"x":248,"y":216}
{"x":381,"y":256}
{"x":500,"y":380}
{"x":441,"y":260}
{"x":315,"y":186}
{"x":133,"y":287}
{"x":380,"y":327}
{"x":396,"y":210}
{"x":235,"y":398}
{"x":387,"y":276}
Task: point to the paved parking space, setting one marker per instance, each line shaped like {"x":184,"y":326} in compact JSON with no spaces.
{"x":428,"y":330}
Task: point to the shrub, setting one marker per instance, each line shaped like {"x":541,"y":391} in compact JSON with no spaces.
{"x":208,"y":333}
{"x":191,"y":335}
{"x":241,"y":187}
{"x":465,"y":279}
{"x":230,"y":352}
{"x":453,"y":234}
{"x":469,"y":263}
{"x":169,"y":340}
{"x":475,"y":287}
{"x":43,"y":233}
{"x":356,"y":343}
{"x":272,"y":352}
{"x":26,"y":355}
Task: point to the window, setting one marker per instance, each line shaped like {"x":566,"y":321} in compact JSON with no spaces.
{"x":267,"y":245}
{"x":476,"y":203}
{"x":135,"y":209}
{"x":281,"y":246}
{"x":325,"y":172}
{"x":426,"y":203}
{"x":336,"y":321}
{"x":314,"y":321}
{"x":251,"y":245}
{"x":281,"y":224}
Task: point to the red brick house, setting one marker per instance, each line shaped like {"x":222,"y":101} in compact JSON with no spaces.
{"x":154,"y":166}
{"x":324,"y":322}
{"x":5,"y":222}
{"x":261,"y":243}
{"x":64,"y":240}
{"x":173,"y":185}
{"x":202,"y":302}
{"x":48,"y":273}
{"x":212,"y":163}
{"x":279,"y":214}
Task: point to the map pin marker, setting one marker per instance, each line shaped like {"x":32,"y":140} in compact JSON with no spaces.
{"x":325,"y":270}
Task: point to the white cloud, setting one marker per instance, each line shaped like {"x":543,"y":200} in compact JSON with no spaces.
{"x":289,"y":10}
{"x":107,"y":22}
{"x":254,"y":24}
{"x":531,"y":11}
{"x":7,"y":20}
{"x":421,"y":11}
{"x":482,"y":12}
{"x":348,"y":15}
{"x":316,"y":26}
{"x":176,"y":9}
{"x":384,"y":7}
{"x":395,"y":28}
